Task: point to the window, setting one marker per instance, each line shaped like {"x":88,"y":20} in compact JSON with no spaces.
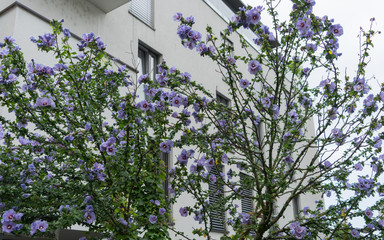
{"x":143,"y":10}
{"x":216,"y":190}
{"x":221,"y":111}
{"x":246,"y":195}
{"x":216,"y":193}
{"x":246,"y":200}
{"x":146,"y":64}
{"x":223,"y":100}
{"x":148,"y":60}
{"x":295,"y":206}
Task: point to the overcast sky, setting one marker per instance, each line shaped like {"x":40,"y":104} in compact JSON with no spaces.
{"x":351,"y":14}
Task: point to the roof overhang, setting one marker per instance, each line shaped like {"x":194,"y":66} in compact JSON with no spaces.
{"x":108,"y":5}
{"x":234,"y":5}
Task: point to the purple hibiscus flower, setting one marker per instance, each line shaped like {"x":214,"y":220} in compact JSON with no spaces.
{"x":183,"y":158}
{"x":231,"y":60}
{"x":101,"y":176}
{"x":11,"y":78}
{"x":276,"y":110}
{"x":212,"y":178}
{"x":244,"y":83}
{"x":11,"y":215}
{"x":358,"y":167}
{"x":177,"y":17}
{"x":98,"y":167}
{"x":162,"y":211}
{"x":60,"y":67}
{"x":337,"y":30}
{"x":303,"y":25}
{"x":368,"y":213}
{"x":378,"y":142}
{"x":193,"y":169}
{"x":369,"y":101}
{"x":38,"y":225}
{"x":294,"y":116}
{"x":145,"y":106}
{"x":47,"y":40}
{"x":24,"y":141}
{"x":245,"y":218}
{"x":183,"y":211}
{"x":253,"y":16}
{"x":208,"y":163}
{"x":381,"y":95}
{"x":326,"y":164}
{"x":87,"y":126}
{"x":166,"y":146}
{"x":89,"y":208}
{"x":111,"y":150}
{"x":288,"y":159}
{"x":336,"y":133}
{"x":108,"y":143}
{"x":8,"y":226}
{"x":298,"y":231}
{"x":45,"y":102}
{"x":183,"y":30}
{"x":176,"y":101}
{"x":355,"y":233}
{"x":224,"y":158}
{"x":266,"y":102}
{"x":152,"y":219}
{"x":87,"y":37}
{"x":311,"y":46}
{"x":1,"y":131}
{"x":381,"y":222}
{"x":365,"y":184}
{"x":90,"y":217}
{"x":254,"y":67}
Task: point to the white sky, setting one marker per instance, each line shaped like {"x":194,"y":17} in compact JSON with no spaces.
{"x":351,"y":14}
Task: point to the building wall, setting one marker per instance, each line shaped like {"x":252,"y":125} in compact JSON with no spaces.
{"x":122,"y":32}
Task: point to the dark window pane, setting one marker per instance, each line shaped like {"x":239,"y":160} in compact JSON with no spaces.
{"x":295,"y":206}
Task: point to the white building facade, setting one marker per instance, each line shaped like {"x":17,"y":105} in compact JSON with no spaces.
{"x":139,"y":33}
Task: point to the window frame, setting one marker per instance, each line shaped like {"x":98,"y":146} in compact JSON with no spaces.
{"x":225,"y":101}
{"x":139,"y":15}
{"x":220,"y":98}
{"x":246,"y":203}
{"x":146,"y":56}
{"x":216,"y":217}
{"x":147,"y":51}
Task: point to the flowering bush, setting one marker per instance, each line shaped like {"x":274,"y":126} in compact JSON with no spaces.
{"x":79,"y":147}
